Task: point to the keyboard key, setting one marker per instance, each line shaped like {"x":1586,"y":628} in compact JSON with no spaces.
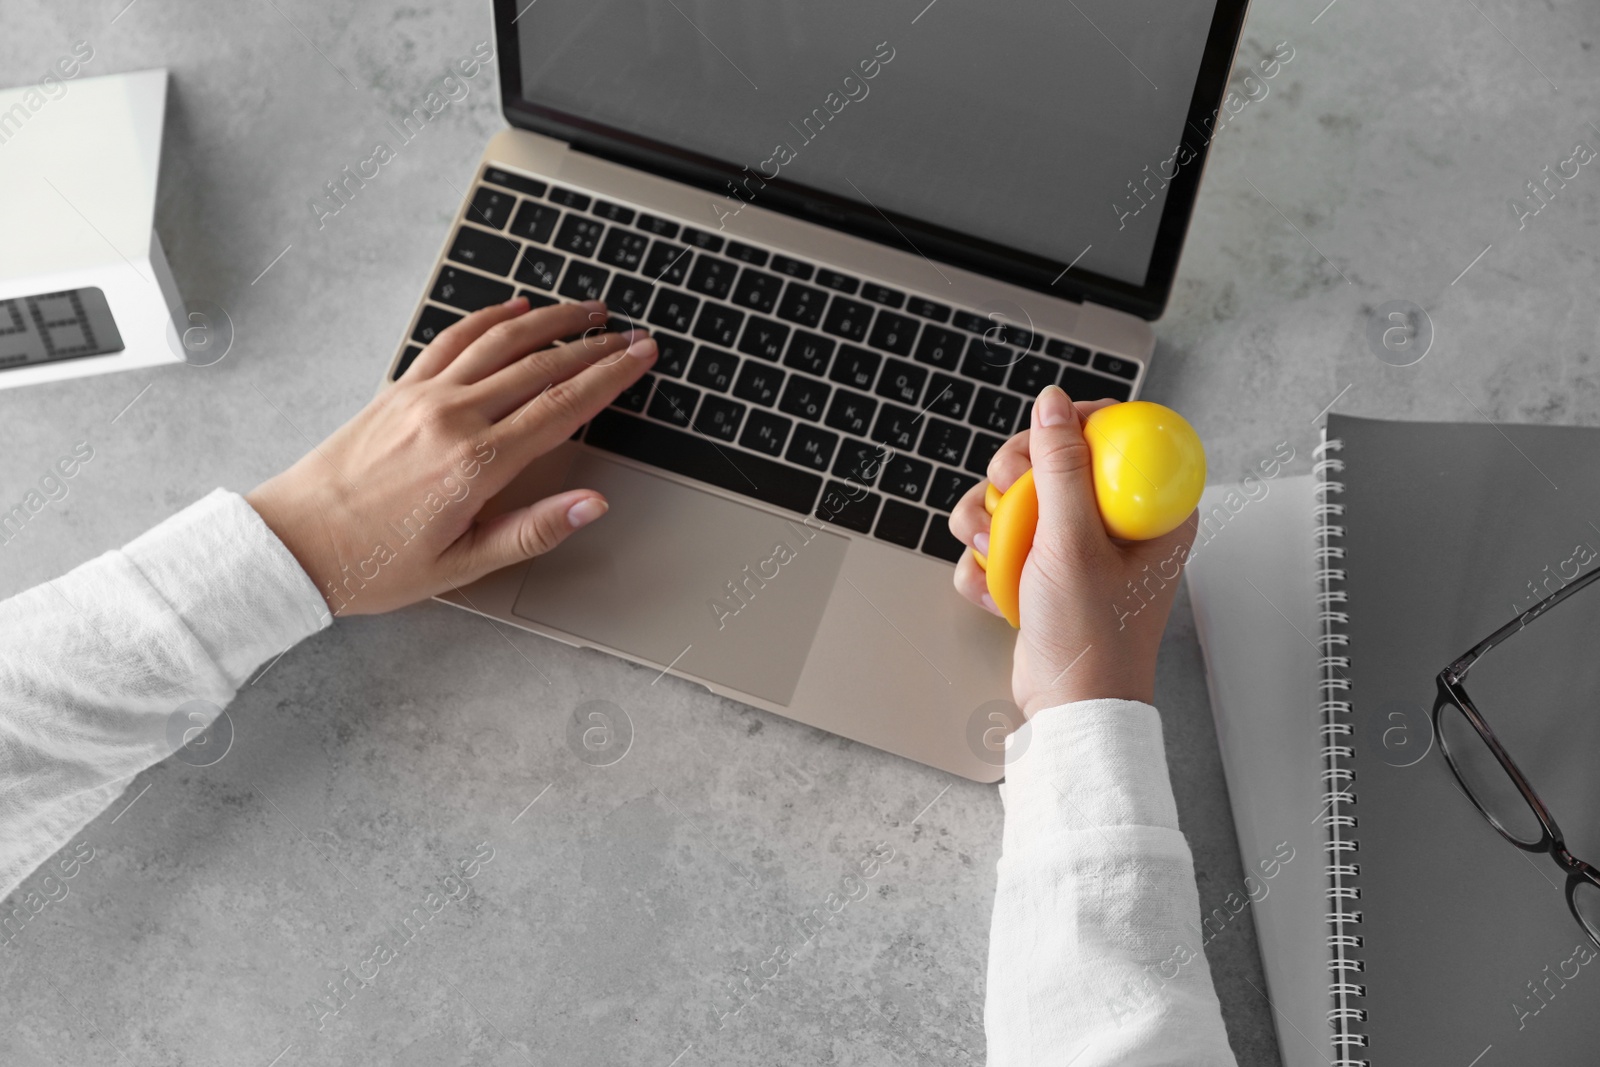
{"x":764,"y":338}
{"x":982,"y":451}
{"x":758,"y":383}
{"x":966,"y":320}
{"x":897,"y":427}
{"x":713,"y":369}
{"x":994,"y":411}
{"x":941,"y":543}
{"x":855,"y":366}
{"x":901,"y":524}
{"x":945,"y":442}
{"x":719,"y":417}
{"x":1082,"y":386}
{"x":927,"y":309}
{"x":1031,"y":374}
{"x":793,"y":268}
{"x":988,"y":362}
{"x":906,"y":477}
{"x":667,"y":263}
{"x":623,"y":248}
{"x":902,"y":381}
{"x":674,"y":310}
{"x":802,"y":304}
{"x":940,"y":348}
{"x":811,"y":447}
{"x":718,"y":323}
{"x":850,"y":412}
{"x":747,"y":254}
{"x":1070,"y":352}
{"x":688,"y":454}
{"x":634,"y":396}
{"x":804,"y":398}
{"x":538,"y":300}
{"x":834,"y":280}
{"x":629,"y":295}
{"x":809,"y":352}
{"x":1015,"y":335}
{"x":893,"y":333}
{"x":674,"y":403}
{"x":569,"y":198}
{"x":1122,"y":368}
{"x":758,"y":290}
{"x":701,"y":239}
{"x":613,"y":212}
{"x":658,"y":226}
{"x":579,"y":235}
{"x":584,"y":281}
{"x":859,"y":461}
{"x":468,"y":291}
{"x":491,"y":207}
{"x":674,"y":354}
{"x":949,"y":396}
{"x":848,"y":319}
{"x":765,"y":432}
{"x":712,"y":276}
{"x":410,"y":357}
{"x":540,"y":267}
{"x":535,"y":222}
{"x":849,"y":506}
{"x":505,"y":179}
{"x":431,"y":322}
{"x":947,"y":487}
{"x":882,"y":294}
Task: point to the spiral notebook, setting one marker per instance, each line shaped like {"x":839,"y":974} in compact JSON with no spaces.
{"x":1411,"y":933}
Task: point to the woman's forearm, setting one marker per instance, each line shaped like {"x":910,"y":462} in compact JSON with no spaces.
{"x":1094,"y":953}
{"x":104,"y":670}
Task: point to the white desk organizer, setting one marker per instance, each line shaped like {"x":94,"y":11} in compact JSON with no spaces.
{"x":78,"y":173}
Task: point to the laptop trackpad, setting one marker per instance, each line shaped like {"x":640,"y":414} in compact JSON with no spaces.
{"x":675,"y":575}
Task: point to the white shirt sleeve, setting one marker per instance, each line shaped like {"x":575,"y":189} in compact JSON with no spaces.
{"x":96,"y":665}
{"x":1094,"y":952}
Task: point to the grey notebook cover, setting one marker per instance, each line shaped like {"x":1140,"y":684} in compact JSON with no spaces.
{"x":1467,"y":952}
{"x":1250,"y":582}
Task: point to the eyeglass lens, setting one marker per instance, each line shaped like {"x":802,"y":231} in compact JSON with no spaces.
{"x":1487,"y":780}
{"x":1586,"y":902}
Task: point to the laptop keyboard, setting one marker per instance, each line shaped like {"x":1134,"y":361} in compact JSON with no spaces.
{"x":779,"y":380}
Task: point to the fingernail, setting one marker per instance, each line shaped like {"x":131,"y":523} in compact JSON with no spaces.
{"x":988,"y":601}
{"x":634,"y":335}
{"x":586,"y":511}
{"x":593,"y":305}
{"x":1052,"y":407}
{"x":980,"y":542}
{"x":514,"y":301}
{"x":644,"y":348}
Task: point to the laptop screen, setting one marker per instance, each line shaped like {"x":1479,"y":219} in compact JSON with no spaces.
{"x":1048,"y":127}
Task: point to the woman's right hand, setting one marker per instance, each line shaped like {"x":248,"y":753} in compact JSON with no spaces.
{"x":1092,"y":608}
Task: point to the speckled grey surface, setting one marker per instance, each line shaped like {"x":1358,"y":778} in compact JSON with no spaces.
{"x":620,"y":909}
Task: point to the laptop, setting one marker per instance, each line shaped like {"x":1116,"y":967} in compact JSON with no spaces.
{"x":864,"y":237}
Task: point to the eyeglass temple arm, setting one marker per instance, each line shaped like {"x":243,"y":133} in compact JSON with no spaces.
{"x":1462,"y":665}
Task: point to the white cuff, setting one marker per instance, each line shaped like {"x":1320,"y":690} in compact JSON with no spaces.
{"x":231,"y":581}
{"x":1081,"y":766}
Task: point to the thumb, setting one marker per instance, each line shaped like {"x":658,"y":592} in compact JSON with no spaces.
{"x":527,"y":532}
{"x":1062,"y":472}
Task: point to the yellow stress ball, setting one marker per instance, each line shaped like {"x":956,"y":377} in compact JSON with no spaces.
{"x":1149,"y":469}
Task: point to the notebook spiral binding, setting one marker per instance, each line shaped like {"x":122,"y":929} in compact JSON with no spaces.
{"x":1345,"y":988}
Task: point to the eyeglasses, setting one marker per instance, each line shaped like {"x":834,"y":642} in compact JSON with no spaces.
{"x":1492,"y":780}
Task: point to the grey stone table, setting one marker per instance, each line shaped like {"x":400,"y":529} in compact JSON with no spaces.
{"x":623,"y":904}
